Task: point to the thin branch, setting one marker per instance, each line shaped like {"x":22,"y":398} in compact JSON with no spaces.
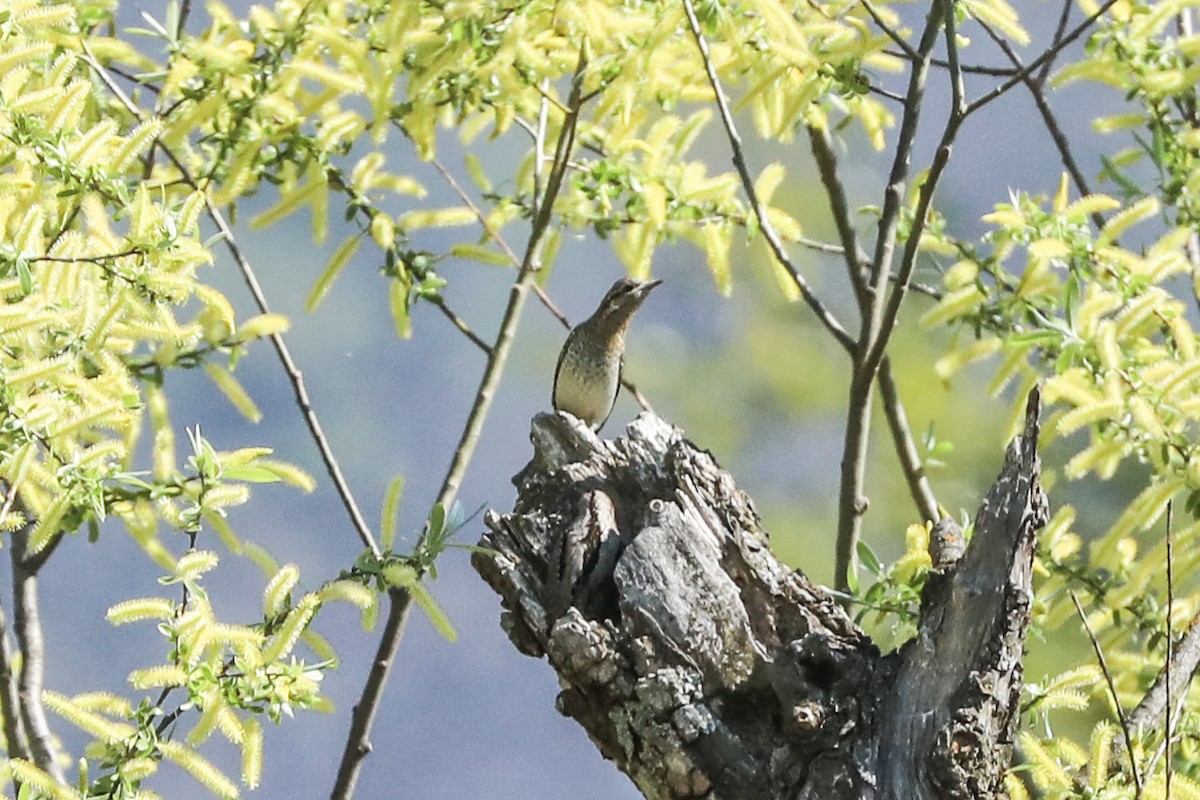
{"x":400,"y":601}
{"x":459,"y":323}
{"x":530,"y":264}
{"x":910,"y":53}
{"x":362,"y":718}
{"x":27,"y":624}
{"x":850,"y":250}
{"x":1172,"y":680}
{"x":887,"y":94}
{"x":825,"y":316}
{"x":906,"y":448}
{"x":281,"y":349}
{"x":1169,"y":731}
{"x":876,"y":345}
{"x":1063,"y":18}
{"x":822,"y":149}
{"x":539,"y":144}
{"x":299,"y":390}
{"x":1112,"y":690}
{"x":1035,"y":65}
{"x":10,"y":496}
{"x":902,"y":438}
{"x":90,"y":259}
{"x":1049,"y":119}
{"x":851,"y":502}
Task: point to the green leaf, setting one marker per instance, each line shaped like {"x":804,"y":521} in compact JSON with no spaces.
{"x":341,"y":257}
{"x":250,"y":474}
{"x":25,"y":276}
{"x":437,"y":522}
{"x":436,"y":615}
{"x":868,"y":558}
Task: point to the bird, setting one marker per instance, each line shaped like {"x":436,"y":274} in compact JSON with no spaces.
{"x":588,"y":374}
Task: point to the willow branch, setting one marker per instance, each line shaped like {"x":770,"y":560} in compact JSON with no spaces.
{"x":1038,"y":93}
{"x":878,"y":343}
{"x":824,"y":315}
{"x":1064,"y":18}
{"x":530,"y":264}
{"x":460,"y":323}
{"x":295,"y":378}
{"x":400,"y":601}
{"x":906,"y":448}
{"x":1168,"y":728}
{"x":822,"y":149}
{"x":902,"y":438}
{"x":1171,"y":683}
{"x":362,"y":718}
{"x":1047,"y":55}
{"x":1112,"y":690}
{"x":27,"y":625}
{"x":852,"y":504}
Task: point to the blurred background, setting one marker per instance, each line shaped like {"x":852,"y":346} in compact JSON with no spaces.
{"x":749,"y":377}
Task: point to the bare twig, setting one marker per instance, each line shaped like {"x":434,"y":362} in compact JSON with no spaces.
{"x":362,"y":718}
{"x":876,"y":343}
{"x":281,"y":349}
{"x":851,"y":502}
{"x":823,"y":314}
{"x":1168,"y":728}
{"x":1112,"y":690}
{"x":886,"y":94}
{"x":1047,"y":55}
{"x":400,"y":601}
{"x":849,"y":249}
{"x":460,"y":323}
{"x":909,"y":52}
{"x":902,"y":438}
{"x":839,"y":207}
{"x":27,"y":624}
{"x":1059,"y":138}
{"x":1172,"y":680}
{"x":1064,"y":17}
{"x":10,"y":496}
{"x":299,"y":390}
{"x":530,"y":264}
{"x":906,"y":448}
{"x":89,"y":259}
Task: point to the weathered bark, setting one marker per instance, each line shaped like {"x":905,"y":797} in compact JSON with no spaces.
{"x":703,"y":667}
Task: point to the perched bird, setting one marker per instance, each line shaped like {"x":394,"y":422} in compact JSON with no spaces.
{"x":589,"y":367}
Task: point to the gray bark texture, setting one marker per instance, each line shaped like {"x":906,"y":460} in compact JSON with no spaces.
{"x":705,"y":668}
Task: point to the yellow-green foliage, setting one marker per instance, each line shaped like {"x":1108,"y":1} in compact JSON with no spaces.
{"x":1083,"y":295}
{"x":96,"y":262}
{"x":324,"y":78}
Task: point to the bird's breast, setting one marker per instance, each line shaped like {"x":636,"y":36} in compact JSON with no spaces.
{"x":587,"y":383}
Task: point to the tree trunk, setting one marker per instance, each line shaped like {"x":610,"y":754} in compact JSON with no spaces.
{"x":703,"y":667}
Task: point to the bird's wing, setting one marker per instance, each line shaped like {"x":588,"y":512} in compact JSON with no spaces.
{"x":616,"y":394}
{"x":558,"y":368}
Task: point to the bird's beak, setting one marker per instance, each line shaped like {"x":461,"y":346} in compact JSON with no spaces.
{"x":648,"y":285}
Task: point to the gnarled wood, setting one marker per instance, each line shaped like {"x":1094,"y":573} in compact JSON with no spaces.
{"x":703,"y":667}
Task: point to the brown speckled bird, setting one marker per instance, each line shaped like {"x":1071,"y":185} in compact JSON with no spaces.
{"x":589,"y":367}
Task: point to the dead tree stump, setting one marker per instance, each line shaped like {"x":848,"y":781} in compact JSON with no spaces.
{"x":703,"y":667}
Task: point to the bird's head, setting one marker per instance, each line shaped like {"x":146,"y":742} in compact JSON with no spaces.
{"x":624,"y":297}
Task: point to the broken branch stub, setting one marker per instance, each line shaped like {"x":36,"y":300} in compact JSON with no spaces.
{"x":696,"y":661}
